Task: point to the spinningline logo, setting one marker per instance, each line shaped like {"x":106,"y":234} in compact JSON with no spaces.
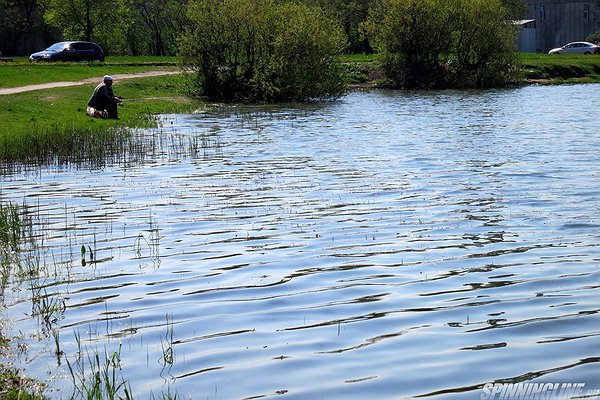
{"x":538,"y":391}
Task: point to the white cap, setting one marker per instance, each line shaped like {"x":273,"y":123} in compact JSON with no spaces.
{"x":108,"y":78}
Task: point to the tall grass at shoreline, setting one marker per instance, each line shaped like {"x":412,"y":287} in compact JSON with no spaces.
{"x":51,"y":126}
{"x":98,"y":377}
{"x":87,"y":146}
{"x":11,"y":226}
{"x":61,"y":144}
{"x":16,"y":238}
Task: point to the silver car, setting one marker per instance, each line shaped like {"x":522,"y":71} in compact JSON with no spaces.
{"x":576,"y":48}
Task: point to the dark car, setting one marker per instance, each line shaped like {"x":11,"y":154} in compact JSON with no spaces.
{"x":70,"y":51}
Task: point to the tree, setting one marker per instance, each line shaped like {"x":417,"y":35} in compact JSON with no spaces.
{"x":263,"y":50}
{"x":351,"y":13}
{"x":17,"y":18}
{"x":516,"y":9}
{"x":81,"y":19}
{"x":484,"y":43}
{"x":414,"y":39}
{"x":442,"y":43}
{"x":164,"y":21}
{"x":593,"y":37}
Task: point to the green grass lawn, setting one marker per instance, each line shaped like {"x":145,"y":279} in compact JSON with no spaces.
{"x":44,"y":108}
{"x":561,"y":67}
{"x":24,"y":73}
{"x":43,"y":123}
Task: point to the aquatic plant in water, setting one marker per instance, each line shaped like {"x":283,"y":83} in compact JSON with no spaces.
{"x":16,"y":231}
{"x":11,"y":226}
{"x":98,"y":377}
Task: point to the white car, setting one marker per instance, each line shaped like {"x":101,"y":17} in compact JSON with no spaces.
{"x":577,"y":48}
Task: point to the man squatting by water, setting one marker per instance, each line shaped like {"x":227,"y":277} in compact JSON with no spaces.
{"x":103,"y":103}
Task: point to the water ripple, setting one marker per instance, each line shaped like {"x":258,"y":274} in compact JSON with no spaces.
{"x":389,"y":245}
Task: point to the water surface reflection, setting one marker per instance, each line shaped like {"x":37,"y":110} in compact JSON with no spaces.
{"x":389,"y":245}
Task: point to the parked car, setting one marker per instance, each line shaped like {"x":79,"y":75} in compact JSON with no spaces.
{"x":577,"y":48}
{"x":70,"y":51}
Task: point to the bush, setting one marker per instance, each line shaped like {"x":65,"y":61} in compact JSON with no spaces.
{"x":413,"y":38}
{"x":262,"y":50}
{"x":594,"y":37}
{"x":444,"y":43}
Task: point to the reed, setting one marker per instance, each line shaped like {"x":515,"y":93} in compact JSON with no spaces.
{"x":16,"y":232}
{"x":51,"y":126}
{"x":68,"y":144}
{"x":14,"y":386}
{"x":98,"y":377}
{"x":11,"y":226}
{"x":168,"y":356}
{"x":48,"y":308}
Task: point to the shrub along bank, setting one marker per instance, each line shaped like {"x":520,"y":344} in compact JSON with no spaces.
{"x":367,"y":70}
{"x":256,"y":50}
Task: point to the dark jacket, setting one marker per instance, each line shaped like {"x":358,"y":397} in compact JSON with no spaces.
{"x":102,"y":98}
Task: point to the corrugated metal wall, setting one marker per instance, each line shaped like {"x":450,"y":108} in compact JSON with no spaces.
{"x":560,"y":21}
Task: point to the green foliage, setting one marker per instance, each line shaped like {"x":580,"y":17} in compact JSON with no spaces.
{"x":160,"y":22}
{"x":18,"y":18}
{"x":98,"y":377}
{"x":13,"y":386}
{"x":79,"y":19}
{"x":483,"y":44}
{"x":10,"y":227}
{"x":516,"y":9}
{"x":442,"y":43}
{"x":120,"y":26}
{"x":594,"y":37}
{"x":414,"y":39}
{"x":351,"y":13}
{"x":263,"y":50}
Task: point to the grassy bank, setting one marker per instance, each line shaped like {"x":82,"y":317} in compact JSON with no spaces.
{"x":13,"y":386}
{"x":561,"y":68}
{"x":52,"y":125}
{"x":25,"y":73}
{"x":536,"y":68}
{"x":51,"y":122}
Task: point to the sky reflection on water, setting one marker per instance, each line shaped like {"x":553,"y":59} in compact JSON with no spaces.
{"x":389,"y":245}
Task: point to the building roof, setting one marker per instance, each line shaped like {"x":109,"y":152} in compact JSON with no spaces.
{"x":522,"y":22}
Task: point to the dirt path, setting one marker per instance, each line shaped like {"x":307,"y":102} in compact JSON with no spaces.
{"x":87,"y":81}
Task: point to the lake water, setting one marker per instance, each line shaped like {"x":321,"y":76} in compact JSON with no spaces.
{"x":388,"y":245}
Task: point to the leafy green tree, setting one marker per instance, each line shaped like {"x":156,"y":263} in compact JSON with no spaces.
{"x":81,"y":19}
{"x":414,"y":39}
{"x":111,"y":32}
{"x":351,"y":14}
{"x":516,"y":9}
{"x":263,"y":50}
{"x":17,"y":19}
{"x":164,"y":20}
{"x":484,"y":43}
{"x":594,"y":37}
{"x":442,"y":43}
